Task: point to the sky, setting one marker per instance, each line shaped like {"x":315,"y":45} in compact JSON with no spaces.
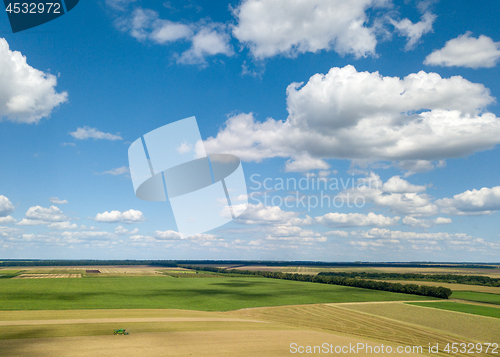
{"x":368,"y":130}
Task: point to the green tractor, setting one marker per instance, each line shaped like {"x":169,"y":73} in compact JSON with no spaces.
{"x":120,"y":331}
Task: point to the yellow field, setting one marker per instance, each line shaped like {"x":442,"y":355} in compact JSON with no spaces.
{"x":492,"y":273}
{"x":473,"y":327}
{"x":249,"y":343}
{"x":337,"y":318}
{"x":104,"y":270}
{"x":249,"y":332}
{"x":45,"y":276}
{"x":158,"y":333}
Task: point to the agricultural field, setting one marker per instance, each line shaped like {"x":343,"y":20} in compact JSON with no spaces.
{"x":166,"y":292}
{"x":166,"y":309}
{"x":477,"y":297}
{"x":491,"y":272}
{"x":467,"y":308}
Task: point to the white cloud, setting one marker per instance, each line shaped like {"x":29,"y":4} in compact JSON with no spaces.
{"x":7,"y":232}
{"x":26,"y":93}
{"x":119,"y":5}
{"x":6,"y":206}
{"x":206,"y":38}
{"x":167,"y":235}
{"x":432,"y":242}
{"x":273,"y":27}
{"x":202,"y":237}
{"x":167,"y":31}
{"x":121,"y":231}
{"x":57,"y":201}
{"x":62,"y":225}
{"x":145,"y":24}
{"x":118,"y":171}
{"x":304,"y":162}
{"x":466,"y":51}
{"x":210,"y":40}
{"x":471,"y":202}
{"x":174,"y":235}
{"x":415,"y":166}
{"x":291,"y":233}
{"x":356,"y":220}
{"x":92,"y":133}
{"x":184,"y":148}
{"x":80,"y":237}
{"x":260,"y":214}
{"x":412,"y":203}
{"x":415,"y":222}
{"x":397,"y":185}
{"x":7,"y":220}
{"x":130,"y":216}
{"x":31,"y":222}
{"x":414,"y":32}
{"x":51,"y":214}
{"x":360,"y":115}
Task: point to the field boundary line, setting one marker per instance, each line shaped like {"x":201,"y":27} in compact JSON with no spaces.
{"x":124,"y":320}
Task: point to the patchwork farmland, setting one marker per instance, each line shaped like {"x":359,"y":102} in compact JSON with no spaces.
{"x":45,"y":311}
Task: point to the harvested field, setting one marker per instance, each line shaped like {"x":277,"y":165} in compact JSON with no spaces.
{"x":47,"y":276}
{"x":472,"y":327}
{"x":248,"y":343}
{"x":491,"y":272}
{"x":337,"y":318}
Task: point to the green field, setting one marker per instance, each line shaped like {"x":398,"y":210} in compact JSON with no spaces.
{"x":477,"y":296}
{"x":205,"y":294}
{"x":467,"y":308}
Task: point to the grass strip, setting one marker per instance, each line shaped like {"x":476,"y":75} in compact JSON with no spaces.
{"x":459,"y":307}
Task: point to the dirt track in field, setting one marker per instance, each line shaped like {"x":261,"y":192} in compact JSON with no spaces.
{"x":121,"y":320}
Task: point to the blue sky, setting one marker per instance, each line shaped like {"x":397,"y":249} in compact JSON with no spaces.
{"x":392,"y":103}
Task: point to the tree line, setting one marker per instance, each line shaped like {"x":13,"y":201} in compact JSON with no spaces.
{"x":434,"y":291}
{"x":442,"y":278}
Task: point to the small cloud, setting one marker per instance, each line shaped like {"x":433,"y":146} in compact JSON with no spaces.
{"x":167,"y":235}
{"x":466,"y":51}
{"x":184,"y":148}
{"x":31,"y":222}
{"x":121,"y":231}
{"x":92,"y":133}
{"x":66,"y":225}
{"x":6,"y":206}
{"x":51,"y":214}
{"x":118,"y":171}
{"x":68,"y":144}
{"x":414,"y":32}
{"x":130,"y":216}
{"x":7,"y":220}
{"x":57,"y":201}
